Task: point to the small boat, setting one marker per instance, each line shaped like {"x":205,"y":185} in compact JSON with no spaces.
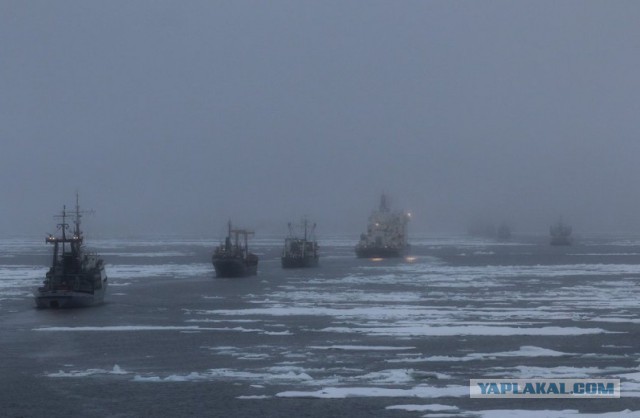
{"x":386,"y":235}
{"x":233,"y":259}
{"x":560,"y":233}
{"x":77,"y":278}
{"x":300,"y":252}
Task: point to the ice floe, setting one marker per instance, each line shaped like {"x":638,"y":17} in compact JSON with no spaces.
{"x":360,"y":347}
{"x":134,"y":271}
{"x":422,"y":408}
{"x":524,"y":351}
{"x":631,"y":320}
{"x":271,"y":375}
{"x":116,"y":370}
{"x":129,"y":328}
{"x":368,"y":392}
{"x":17,"y":281}
{"x":558,"y":372}
{"x":546,"y":413}
{"x":427,"y":330}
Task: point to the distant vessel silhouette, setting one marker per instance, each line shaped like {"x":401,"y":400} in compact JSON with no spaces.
{"x":300,"y":251}
{"x":560,"y":233}
{"x":386,"y":235}
{"x":503,"y":233}
{"x":76,"y":278}
{"x":233,"y":259}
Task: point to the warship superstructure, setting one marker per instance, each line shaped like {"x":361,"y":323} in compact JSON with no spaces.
{"x":233,"y":259}
{"x":386,"y":235}
{"x":299,"y":251}
{"x":560,"y":233}
{"x":77,"y":278}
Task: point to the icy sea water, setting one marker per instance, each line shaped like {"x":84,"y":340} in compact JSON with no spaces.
{"x":356,"y":338}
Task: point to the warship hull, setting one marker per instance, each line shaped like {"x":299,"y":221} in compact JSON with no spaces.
{"x":76,"y":278}
{"x":61,"y":299}
{"x":231,"y":267}
{"x":380,"y":252}
{"x":299,"y":262}
{"x":386,"y":235}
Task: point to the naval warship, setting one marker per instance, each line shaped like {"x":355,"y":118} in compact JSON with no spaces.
{"x":560,"y":233}
{"x":300,"y":251}
{"x":77,"y":278}
{"x":386,"y":235}
{"x":233,"y":259}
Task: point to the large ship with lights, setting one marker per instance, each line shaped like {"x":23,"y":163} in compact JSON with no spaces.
{"x":386,"y":235}
{"x":77,"y":278}
{"x":300,"y":251}
{"x":233,"y":258}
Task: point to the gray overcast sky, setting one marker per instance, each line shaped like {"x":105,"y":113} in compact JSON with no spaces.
{"x":173,"y":116}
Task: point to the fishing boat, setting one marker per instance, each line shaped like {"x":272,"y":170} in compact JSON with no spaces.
{"x":299,"y":252}
{"x":232,"y":258}
{"x":77,"y":278}
{"x":560,"y":233}
{"x":386,"y":235}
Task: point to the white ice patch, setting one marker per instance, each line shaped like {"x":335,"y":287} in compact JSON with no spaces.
{"x":559,"y":372}
{"x":116,"y":370}
{"x":148,"y":254}
{"x":616,"y":319}
{"x":360,"y":347}
{"x":370,"y":392}
{"x":389,"y":377}
{"x":372,"y":312}
{"x":288,"y":375}
{"x":524,"y":351}
{"x":422,"y":408}
{"x":546,"y":413}
{"x":347,"y":296}
{"x":222,"y":320}
{"x":241,"y":354}
{"x":427,"y":330}
{"x":397,"y":376}
{"x":250,"y":356}
{"x":123,"y":271}
{"x":19,"y":280}
{"x":128,"y":328}
{"x":603,"y":254}
{"x":444,"y":316}
{"x":629,"y":384}
{"x":467,"y":273}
